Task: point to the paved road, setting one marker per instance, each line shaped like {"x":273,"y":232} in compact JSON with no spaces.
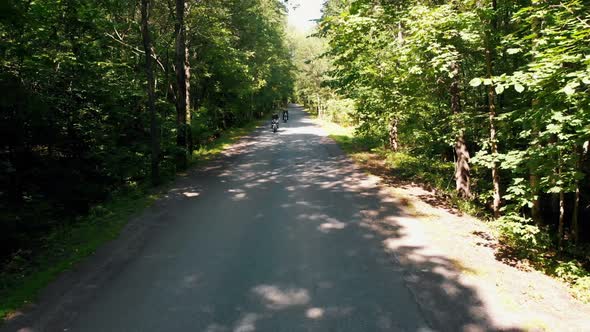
{"x":276,"y":235}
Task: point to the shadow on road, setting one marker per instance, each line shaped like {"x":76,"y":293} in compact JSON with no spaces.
{"x":326,"y":253}
{"x":344,"y":218}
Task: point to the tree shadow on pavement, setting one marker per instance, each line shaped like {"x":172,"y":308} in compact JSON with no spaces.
{"x":352,"y":238}
{"x":281,"y":233}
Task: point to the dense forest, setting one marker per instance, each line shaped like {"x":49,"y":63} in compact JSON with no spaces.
{"x":99,"y":96}
{"x":491,"y":98}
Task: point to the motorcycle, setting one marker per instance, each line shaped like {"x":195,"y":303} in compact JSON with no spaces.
{"x":285,"y":116}
{"x":274,"y":125}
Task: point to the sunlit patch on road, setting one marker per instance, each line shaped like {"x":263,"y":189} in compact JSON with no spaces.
{"x":247,"y":323}
{"x":314,"y":313}
{"x":237,"y":194}
{"x":331,"y":225}
{"x":276,"y":298}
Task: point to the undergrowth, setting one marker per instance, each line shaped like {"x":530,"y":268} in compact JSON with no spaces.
{"x":520,"y":239}
{"x":524,"y":240}
{"x":29,"y":270}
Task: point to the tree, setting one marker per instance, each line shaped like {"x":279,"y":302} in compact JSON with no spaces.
{"x":91,"y":92}
{"x":182,"y":87}
{"x":490,"y":54}
{"x":423,"y":74}
{"x":149,"y":70}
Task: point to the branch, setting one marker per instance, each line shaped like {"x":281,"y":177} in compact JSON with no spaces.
{"x":135,"y":50}
{"x":586,"y":24}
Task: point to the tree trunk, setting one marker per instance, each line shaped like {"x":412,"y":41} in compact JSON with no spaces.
{"x":534,"y":178}
{"x":495,"y":171}
{"x":15,"y":188}
{"x":462,"y":177}
{"x":181,"y":87}
{"x":149,"y":70}
{"x":251,"y":116}
{"x":576,"y":213}
{"x":561,"y":218}
{"x":560,"y":227}
{"x":393,"y":140}
{"x":187,"y":75}
{"x":534,"y":183}
{"x":575,"y":216}
{"x":536,"y":205}
{"x":492,"y":116}
{"x":319,"y":107}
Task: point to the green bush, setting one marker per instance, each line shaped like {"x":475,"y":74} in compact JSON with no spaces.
{"x":431,"y":171}
{"x":339,"y":111}
{"x":581,"y":289}
{"x":520,"y":232}
{"x":531,"y":242}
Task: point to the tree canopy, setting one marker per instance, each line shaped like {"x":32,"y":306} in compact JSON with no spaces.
{"x":498,"y":89}
{"x":76,"y":125}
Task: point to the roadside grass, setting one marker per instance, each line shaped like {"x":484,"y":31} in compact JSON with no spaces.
{"x":429,"y":172}
{"x":30,"y":271}
{"x":27,"y":273}
{"x":215,"y":147}
{"x":432,"y":173}
{"x":404,"y":166}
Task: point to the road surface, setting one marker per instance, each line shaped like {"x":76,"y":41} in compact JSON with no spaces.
{"x":276,"y":235}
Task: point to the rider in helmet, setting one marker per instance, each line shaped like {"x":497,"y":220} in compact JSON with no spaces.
{"x":275,"y":119}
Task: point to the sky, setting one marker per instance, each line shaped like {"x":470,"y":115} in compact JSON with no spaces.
{"x":307,"y":10}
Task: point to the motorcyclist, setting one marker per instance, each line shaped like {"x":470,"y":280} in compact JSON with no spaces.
{"x":275,"y":119}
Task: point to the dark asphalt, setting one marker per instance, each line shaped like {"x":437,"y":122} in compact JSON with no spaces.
{"x":274,"y":236}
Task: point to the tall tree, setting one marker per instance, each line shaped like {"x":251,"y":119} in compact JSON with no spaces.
{"x":462,"y":169}
{"x":73,"y":128}
{"x":149,"y":71}
{"x":182,"y":87}
{"x":490,"y":54}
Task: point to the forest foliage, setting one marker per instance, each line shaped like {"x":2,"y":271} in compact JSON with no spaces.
{"x":497,"y":90}
{"x":85,"y":115}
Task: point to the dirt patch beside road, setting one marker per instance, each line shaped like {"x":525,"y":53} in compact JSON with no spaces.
{"x":513,"y":295}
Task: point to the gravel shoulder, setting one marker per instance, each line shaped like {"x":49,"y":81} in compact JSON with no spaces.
{"x":512,"y":295}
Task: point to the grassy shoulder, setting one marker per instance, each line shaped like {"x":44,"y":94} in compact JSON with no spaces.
{"x":27,"y":274}
{"x":534,"y":249}
{"x":221,"y":143}
{"x":22,"y":279}
{"x":431,"y":173}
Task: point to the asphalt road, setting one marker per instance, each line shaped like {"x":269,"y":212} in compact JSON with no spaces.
{"x":276,"y":235}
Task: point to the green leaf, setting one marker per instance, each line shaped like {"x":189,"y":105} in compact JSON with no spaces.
{"x":475,"y":82}
{"x":519,"y":88}
{"x":553,"y":128}
{"x":569,"y":90}
{"x":513,"y":50}
{"x":499,"y":89}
